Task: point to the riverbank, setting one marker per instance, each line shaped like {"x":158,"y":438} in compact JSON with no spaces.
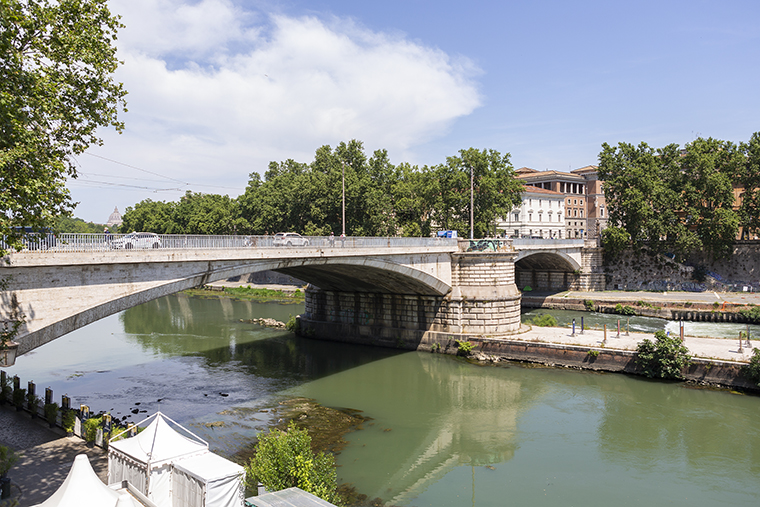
{"x":716,"y":362}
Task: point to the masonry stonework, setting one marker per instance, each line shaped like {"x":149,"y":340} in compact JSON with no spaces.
{"x":484,"y":301}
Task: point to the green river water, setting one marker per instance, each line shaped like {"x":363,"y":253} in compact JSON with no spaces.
{"x":443,"y":431}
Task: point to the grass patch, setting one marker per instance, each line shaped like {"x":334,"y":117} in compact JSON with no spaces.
{"x":250,"y":294}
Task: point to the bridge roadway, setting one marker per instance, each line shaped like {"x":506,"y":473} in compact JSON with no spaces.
{"x":83,"y":278}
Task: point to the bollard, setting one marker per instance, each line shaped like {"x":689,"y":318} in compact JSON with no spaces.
{"x":65,"y":402}
{"x":16,"y":383}
{"x":749,"y":345}
{"x":48,"y":396}
{"x":605,"y":333}
{"x":680,"y":329}
{"x":582,"y":325}
{"x":573,"y":328}
{"x":618,"y":335}
{"x":741,"y":350}
{"x":84,"y":413}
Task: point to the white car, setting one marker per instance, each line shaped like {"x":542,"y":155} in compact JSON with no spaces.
{"x":137,"y":240}
{"x":289,"y":239}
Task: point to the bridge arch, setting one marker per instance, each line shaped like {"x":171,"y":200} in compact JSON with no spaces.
{"x":125,"y":285}
{"x":552,"y":270}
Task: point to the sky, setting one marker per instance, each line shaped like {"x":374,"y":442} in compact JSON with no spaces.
{"x":220,"y":88}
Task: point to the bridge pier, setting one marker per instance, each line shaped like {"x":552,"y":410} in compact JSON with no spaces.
{"x":483,"y":301}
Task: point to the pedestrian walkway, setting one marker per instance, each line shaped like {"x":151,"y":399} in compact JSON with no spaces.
{"x":45,"y":454}
{"x":707,"y":348}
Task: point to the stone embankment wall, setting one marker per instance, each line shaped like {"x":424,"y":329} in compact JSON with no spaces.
{"x":644,"y":271}
{"x":701,"y":371}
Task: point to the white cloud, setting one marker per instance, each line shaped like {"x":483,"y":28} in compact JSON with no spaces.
{"x":216,"y":92}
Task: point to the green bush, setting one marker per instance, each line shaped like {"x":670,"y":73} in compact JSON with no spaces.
{"x":464,"y":348}
{"x":68,"y":419}
{"x":292,"y":325}
{"x":284,"y":459}
{"x":624,"y":310}
{"x":593,"y":353}
{"x":544,"y":320}
{"x":752,"y":314}
{"x":91,"y":426}
{"x":7,"y":459}
{"x":752,"y":370}
{"x":665,"y":358}
{"x":589,"y":305}
{"x":19,"y":395}
{"x":51,"y":413}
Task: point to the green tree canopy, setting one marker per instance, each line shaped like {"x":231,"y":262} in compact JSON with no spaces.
{"x":681,"y":201}
{"x":56,"y":88}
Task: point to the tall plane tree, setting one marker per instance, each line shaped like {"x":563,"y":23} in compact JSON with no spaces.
{"x":57,"y":60}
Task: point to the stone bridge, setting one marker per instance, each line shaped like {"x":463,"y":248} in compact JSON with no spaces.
{"x":384,"y":291}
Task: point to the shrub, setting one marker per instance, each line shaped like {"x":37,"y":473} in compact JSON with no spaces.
{"x":752,"y":370}
{"x":7,"y":459}
{"x":91,"y":426}
{"x":464,"y":347}
{"x":665,"y":358}
{"x":67,"y":420}
{"x":751,"y":314}
{"x":589,"y":305}
{"x":593,"y":353}
{"x":19,"y":395}
{"x":544,"y":320}
{"x":292,"y":325}
{"x":624,"y":310}
{"x":284,"y":459}
{"x":51,"y":413}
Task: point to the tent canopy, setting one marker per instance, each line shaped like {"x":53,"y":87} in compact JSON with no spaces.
{"x":83,"y":485}
{"x":159,"y":443}
{"x":209,"y":467}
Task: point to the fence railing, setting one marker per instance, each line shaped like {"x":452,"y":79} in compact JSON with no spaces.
{"x":69,"y":242}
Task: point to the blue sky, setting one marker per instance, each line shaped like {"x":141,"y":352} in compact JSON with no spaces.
{"x":218,"y":88}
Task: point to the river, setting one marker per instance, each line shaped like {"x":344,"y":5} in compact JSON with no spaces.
{"x":443,"y":431}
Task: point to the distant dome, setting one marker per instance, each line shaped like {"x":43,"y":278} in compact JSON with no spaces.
{"x":115,"y":218}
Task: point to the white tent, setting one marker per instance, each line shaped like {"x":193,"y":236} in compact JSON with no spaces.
{"x":145,"y":460}
{"x":83,"y":487}
{"x":207,"y":480}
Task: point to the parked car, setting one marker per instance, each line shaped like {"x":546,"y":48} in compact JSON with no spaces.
{"x":137,"y":240}
{"x":289,"y":239}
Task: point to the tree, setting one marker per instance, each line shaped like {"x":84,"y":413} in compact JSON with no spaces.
{"x":496,"y":191}
{"x":56,"y":88}
{"x":749,"y":178}
{"x":284,"y":459}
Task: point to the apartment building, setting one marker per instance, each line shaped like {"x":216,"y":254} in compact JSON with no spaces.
{"x":540,"y":215}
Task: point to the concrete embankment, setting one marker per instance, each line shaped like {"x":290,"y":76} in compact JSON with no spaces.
{"x":716,"y":362}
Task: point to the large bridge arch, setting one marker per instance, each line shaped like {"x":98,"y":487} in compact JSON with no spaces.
{"x":68,"y":297}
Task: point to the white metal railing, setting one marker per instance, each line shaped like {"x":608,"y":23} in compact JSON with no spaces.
{"x":68,"y":242}
{"x":547,"y":243}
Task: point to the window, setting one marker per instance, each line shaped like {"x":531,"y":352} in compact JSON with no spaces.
{"x":568,"y":211}
{"x":540,"y":203}
{"x":581,"y":202}
{"x":517,"y":233}
{"x":581,"y":213}
{"x":530,"y":217}
{"x":531,"y":202}
{"x":539,"y":217}
{"x":601,"y":211}
{"x":575,"y":201}
{"x":575,"y":214}
{"x":517,"y":217}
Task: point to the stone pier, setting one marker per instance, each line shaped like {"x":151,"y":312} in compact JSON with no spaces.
{"x":483,"y":302}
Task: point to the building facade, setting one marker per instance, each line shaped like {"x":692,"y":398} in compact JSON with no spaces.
{"x":585,"y":207}
{"x":540,"y":215}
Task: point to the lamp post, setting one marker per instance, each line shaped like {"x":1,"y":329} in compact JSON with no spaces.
{"x":472,"y":204}
{"x":343,"y":166}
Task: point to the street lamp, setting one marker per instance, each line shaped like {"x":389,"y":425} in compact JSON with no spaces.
{"x":472,"y":204}
{"x":343,"y":166}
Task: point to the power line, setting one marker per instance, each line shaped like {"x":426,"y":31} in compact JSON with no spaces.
{"x":137,"y":168}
